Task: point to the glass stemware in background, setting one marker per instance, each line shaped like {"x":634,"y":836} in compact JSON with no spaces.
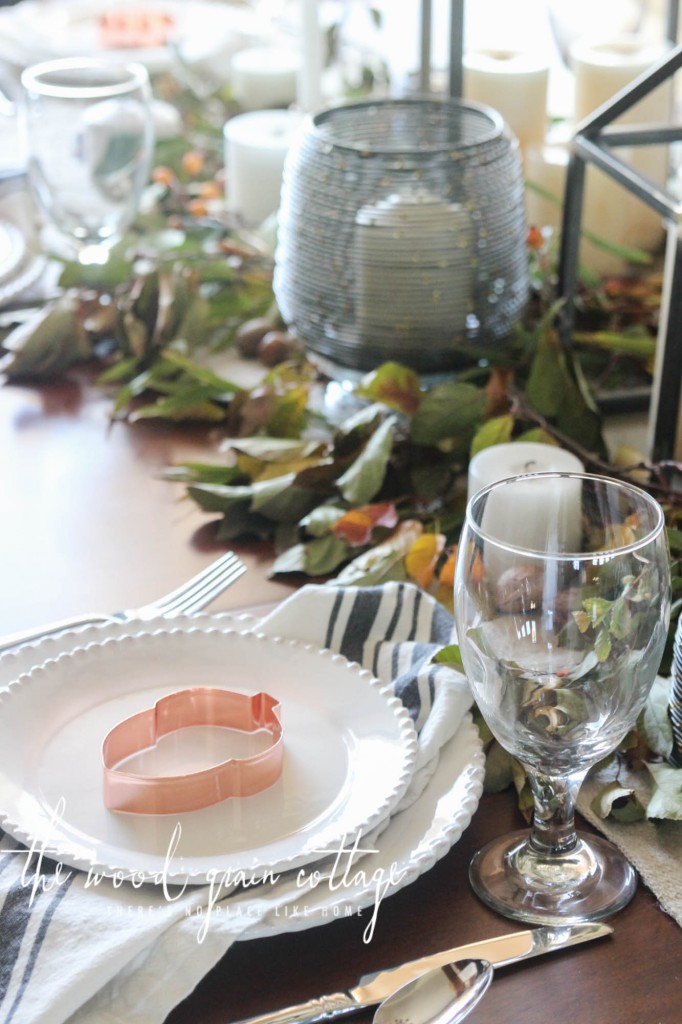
{"x":88,"y":134}
{"x":562,"y":604}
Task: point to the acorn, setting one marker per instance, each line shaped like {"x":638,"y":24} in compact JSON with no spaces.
{"x":519,"y":589}
{"x":249,"y":335}
{"x":276,"y":347}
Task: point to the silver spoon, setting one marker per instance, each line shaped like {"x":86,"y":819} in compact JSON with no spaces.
{"x":443,"y":995}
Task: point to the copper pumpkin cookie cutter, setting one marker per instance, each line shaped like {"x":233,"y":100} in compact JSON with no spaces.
{"x":174,"y":794}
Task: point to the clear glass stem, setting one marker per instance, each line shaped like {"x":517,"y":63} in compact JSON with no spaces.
{"x":552,"y":875}
{"x":555,"y":797}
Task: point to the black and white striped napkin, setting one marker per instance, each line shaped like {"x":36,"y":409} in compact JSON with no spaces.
{"x":117,"y":955}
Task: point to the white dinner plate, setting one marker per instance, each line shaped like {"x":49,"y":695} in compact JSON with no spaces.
{"x":349,"y":754}
{"x":412,"y":842}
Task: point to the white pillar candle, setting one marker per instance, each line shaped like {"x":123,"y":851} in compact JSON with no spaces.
{"x":413,"y":265}
{"x":256,"y":145}
{"x":602,"y":68}
{"x":605,"y":66}
{"x":526,"y":517}
{"x":514,"y":83}
{"x":500,"y":461}
{"x":310,"y":73}
{"x":264,"y":77}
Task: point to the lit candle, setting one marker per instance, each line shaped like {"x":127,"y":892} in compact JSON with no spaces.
{"x":514,"y":83}
{"x":256,"y":145}
{"x":265,"y":77}
{"x":310,"y":73}
{"x":524,"y":517}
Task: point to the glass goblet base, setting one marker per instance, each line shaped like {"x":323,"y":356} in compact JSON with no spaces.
{"x":589,"y":882}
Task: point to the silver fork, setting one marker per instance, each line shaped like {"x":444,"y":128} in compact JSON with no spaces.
{"x":188,"y":598}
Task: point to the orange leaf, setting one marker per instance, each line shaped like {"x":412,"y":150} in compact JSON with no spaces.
{"x":497,"y":391}
{"x":447,"y":574}
{"x":356,"y":525}
{"x":420,"y":560}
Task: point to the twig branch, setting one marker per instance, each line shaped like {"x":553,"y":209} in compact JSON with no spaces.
{"x":659,"y":483}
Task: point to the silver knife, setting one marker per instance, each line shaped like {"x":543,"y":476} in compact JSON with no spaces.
{"x":374,"y":988}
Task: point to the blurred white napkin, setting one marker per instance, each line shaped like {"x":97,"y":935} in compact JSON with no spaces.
{"x":107,"y":955}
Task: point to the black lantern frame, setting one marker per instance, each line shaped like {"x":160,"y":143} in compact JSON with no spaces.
{"x":594,"y":142}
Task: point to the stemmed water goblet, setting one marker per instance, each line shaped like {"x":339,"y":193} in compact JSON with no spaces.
{"x":88,"y":136}
{"x":562,"y":604}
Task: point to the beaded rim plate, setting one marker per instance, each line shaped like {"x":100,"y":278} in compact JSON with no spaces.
{"x":350,"y":750}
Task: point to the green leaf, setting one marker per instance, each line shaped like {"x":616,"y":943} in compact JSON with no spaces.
{"x":582,"y":620}
{"x":289,"y":413}
{"x":204,"y":472}
{"x":378,"y":565}
{"x":106,"y":276}
{"x":190,"y":404}
{"x":373,"y":568}
{"x":524,"y":793}
{"x":219,"y":497}
{"x":292,"y":560}
{"x":620,"y":622}
{"x":354,"y":431}
{"x":431,"y":478}
{"x":393,"y":385}
{"x":321,"y":520}
{"x":288,"y":505}
{"x":495,"y":431}
{"x":449,"y":655}
{"x":547,"y":378}
{"x":364,"y":477}
{"x":597,"y":608}
{"x":201,"y":374}
{"x":47,"y":344}
{"x":638,"y":343}
{"x":602,"y":645}
{"x":556,"y":389}
{"x":239,"y":521}
{"x":447,"y":411}
{"x":674,"y":539}
{"x":499,"y":769}
{"x":538,"y":436}
{"x":325,"y":554}
{"x":275,"y":449}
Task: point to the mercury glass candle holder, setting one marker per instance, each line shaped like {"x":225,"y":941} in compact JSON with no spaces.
{"x":402,"y":236}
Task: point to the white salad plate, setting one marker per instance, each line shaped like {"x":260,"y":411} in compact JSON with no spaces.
{"x":349,"y":751}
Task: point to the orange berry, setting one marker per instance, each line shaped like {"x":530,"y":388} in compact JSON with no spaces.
{"x":163,"y":176}
{"x":197,"y":208}
{"x":193,"y":162}
{"x":534,"y":239}
{"x":210,"y":190}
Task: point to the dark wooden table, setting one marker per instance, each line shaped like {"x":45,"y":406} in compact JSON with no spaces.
{"x":87,"y":523}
